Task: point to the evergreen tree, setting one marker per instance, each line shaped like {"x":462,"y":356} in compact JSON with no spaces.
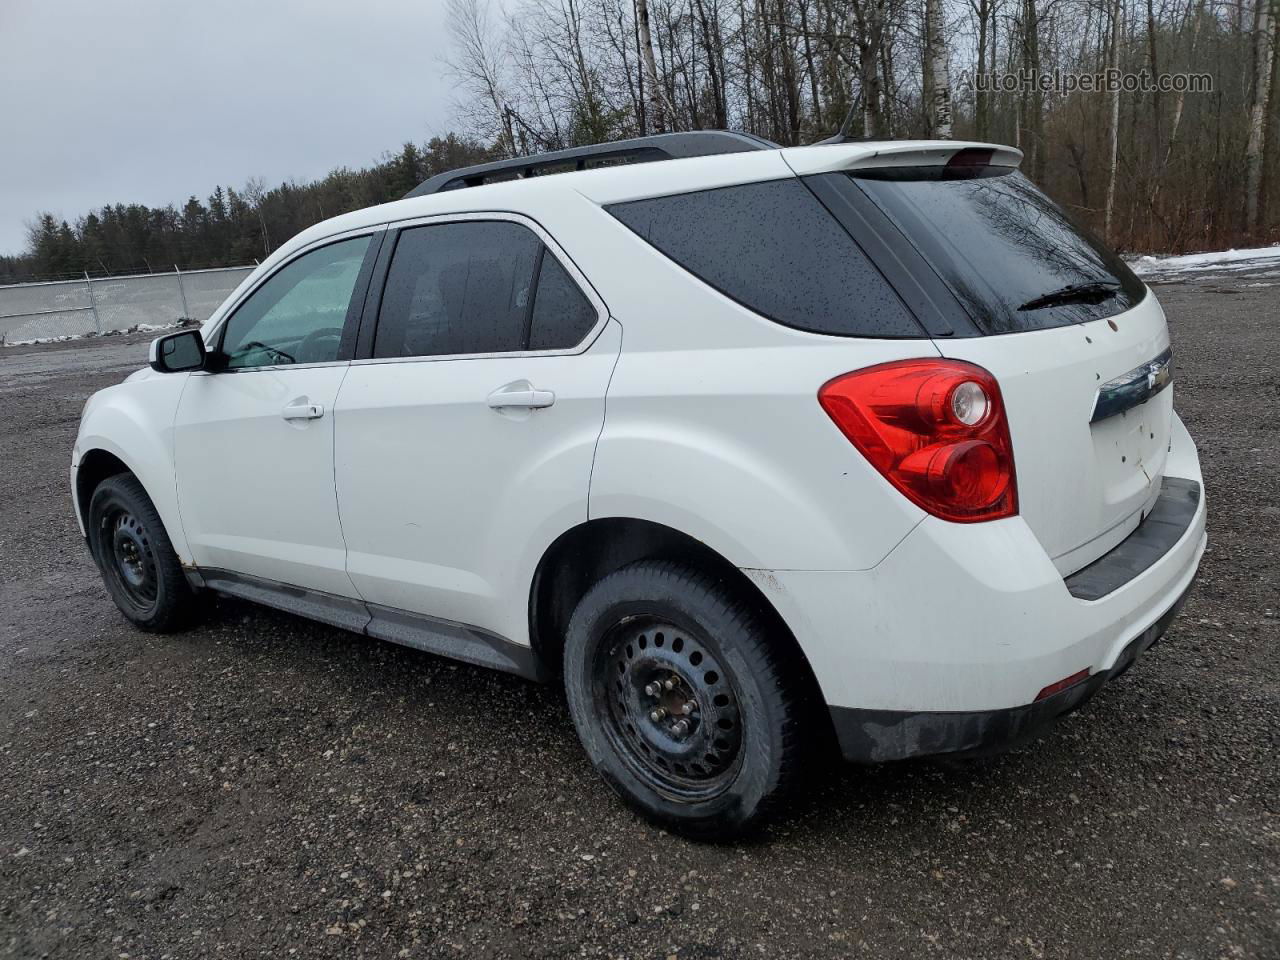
{"x":231,"y":227}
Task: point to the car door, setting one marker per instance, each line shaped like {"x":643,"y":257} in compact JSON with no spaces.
{"x":466,"y":430}
{"x":253,"y":435}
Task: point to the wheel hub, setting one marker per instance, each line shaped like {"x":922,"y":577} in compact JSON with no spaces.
{"x":134,"y":562}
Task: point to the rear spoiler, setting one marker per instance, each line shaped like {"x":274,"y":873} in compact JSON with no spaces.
{"x":835,"y":158}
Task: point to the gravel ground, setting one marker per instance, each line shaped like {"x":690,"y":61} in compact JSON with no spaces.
{"x":263,"y":786}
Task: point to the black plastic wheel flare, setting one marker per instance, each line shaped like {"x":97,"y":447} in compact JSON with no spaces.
{"x":669,"y":708}
{"x":130,"y":558}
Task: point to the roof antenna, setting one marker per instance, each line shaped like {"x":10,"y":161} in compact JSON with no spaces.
{"x":842,"y":135}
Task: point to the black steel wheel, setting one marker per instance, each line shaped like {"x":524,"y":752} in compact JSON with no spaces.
{"x":686,"y":704}
{"x":670,"y":708}
{"x":131,"y":560}
{"x":139,"y":567}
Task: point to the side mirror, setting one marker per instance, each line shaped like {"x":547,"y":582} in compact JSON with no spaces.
{"x":178,"y":352}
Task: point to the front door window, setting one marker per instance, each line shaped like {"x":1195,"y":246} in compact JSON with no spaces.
{"x":297,"y":316}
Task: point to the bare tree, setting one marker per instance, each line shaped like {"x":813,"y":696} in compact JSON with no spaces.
{"x":1151,"y":170}
{"x":475,"y":64}
{"x":984,"y":12}
{"x":255,"y":192}
{"x":1258,"y":111}
{"x":936,"y":71}
{"x":654,"y":90}
{"x":1113,"y":125}
{"x":867,"y":25}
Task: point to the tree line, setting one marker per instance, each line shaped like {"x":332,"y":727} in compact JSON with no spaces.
{"x":231,"y":227}
{"x":1153,"y":170}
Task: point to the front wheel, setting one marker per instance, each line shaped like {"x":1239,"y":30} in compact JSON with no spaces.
{"x":682,"y":700}
{"x":138,"y":563}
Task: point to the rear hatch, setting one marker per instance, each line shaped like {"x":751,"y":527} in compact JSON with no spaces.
{"x":1076,"y":341}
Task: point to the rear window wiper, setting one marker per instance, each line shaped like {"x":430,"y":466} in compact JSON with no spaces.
{"x":1094,"y":291}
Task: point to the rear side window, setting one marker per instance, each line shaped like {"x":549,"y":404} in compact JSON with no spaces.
{"x":477,"y":286}
{"x":457,"y":288}
{"x":774,"y":248}
{"x":1013,"y":258}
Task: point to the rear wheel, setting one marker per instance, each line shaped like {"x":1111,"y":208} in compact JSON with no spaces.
{"x":681,"y":699}
{"x":138,"y":563}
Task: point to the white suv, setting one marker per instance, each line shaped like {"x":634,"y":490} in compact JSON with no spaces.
{"x":755,"y":447}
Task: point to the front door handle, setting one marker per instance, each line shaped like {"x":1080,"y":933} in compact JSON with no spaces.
{"x":521,"y":393}
{"x":302,"y":410}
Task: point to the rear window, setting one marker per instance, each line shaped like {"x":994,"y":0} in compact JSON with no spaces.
{"x":1014,"y":258}
{"x":775,"y":249}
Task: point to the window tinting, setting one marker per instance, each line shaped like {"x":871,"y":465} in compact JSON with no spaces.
{"x":1001,"y":245}
{"x":298,"y":314}
{"x":562,"y":315}
{"x":774,"y":248}
{"x":457,"y":288}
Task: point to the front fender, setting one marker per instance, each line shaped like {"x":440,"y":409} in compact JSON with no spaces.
{"x":134,"y":423}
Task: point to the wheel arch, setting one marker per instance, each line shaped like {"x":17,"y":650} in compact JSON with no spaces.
{"x":584,"y":554}
{"x":100,"y":458}
{"x":95,"y":466}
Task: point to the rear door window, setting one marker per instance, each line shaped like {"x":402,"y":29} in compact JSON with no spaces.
{"x":774,"y":248}
{"x":478,"y":286}
{"x":1014,"y":259}
{"x":458,"y":288}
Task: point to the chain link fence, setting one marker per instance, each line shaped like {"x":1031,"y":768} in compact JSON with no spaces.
{"x":74,"y":308}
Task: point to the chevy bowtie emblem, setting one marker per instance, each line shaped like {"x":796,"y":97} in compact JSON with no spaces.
{"x":1159,"y":373}
{"x":1133,"y":388}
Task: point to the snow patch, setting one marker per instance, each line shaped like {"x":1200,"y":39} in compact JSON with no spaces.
{"x":93,"y":334}
{"x":1223,"y":261}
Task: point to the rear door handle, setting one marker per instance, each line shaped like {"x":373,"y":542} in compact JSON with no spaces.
{"x":301,"y":410}
{"x":521,"y":393}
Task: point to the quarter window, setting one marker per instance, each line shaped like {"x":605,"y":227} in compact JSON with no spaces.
{"x":774,"y":248}
{"x":562,"y":315}
{"x":297,"y":316}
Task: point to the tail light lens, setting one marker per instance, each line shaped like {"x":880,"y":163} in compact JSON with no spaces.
{"x":936,"y":430}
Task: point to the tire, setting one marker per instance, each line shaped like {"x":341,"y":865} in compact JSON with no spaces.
{"x":668,"y":624}
{"x":136,"y":559}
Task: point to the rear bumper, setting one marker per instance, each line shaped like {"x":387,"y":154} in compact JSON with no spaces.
{"x":876,"y":736}
{"x":944,"y":645}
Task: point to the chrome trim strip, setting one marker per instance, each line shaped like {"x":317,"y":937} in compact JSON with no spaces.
{"x":1133,"y":388}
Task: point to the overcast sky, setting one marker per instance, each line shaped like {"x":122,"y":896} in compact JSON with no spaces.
{"x":151,"y":101}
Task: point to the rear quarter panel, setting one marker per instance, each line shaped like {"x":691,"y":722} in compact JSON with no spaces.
{"x":713,"y":426}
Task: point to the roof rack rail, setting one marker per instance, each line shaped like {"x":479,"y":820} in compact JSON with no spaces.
{"x":660,"y":146}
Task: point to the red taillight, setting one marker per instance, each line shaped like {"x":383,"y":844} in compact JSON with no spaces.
{"x":935,"y":429}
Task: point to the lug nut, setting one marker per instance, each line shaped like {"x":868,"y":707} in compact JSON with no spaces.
{"x":680,"y":728}
{"x":653,"y":689}
{"x":688,"y":708}
{"x":669,"y":683}
{"x":656,"y":715}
